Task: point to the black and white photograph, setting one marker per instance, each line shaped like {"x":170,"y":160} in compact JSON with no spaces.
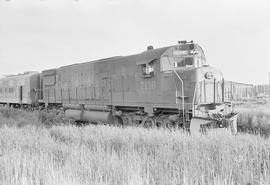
{"x":134,"y":92}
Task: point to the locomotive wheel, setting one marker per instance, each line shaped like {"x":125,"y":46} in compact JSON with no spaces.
{"x":169,"y":124}
{"x":148,"y":122}
{"x":117,"y":121}
{"x":159,"y":124}
{"x":164,"y":123}
{"x":126,"y":120}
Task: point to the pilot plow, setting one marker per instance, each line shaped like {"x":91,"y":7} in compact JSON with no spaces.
{"x":203,"y":125}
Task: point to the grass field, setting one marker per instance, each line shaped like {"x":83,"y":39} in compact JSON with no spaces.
{"x":38,"y":155}
{"x":255,"y":118}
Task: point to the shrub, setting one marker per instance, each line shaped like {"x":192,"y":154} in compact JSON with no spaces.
{"x":20,"y":118}
{"x":51,"y":117}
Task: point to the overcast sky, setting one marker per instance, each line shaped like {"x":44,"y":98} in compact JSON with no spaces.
{"x":43,"y":34}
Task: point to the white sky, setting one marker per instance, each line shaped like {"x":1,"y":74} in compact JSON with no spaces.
{"x":44,"y":34}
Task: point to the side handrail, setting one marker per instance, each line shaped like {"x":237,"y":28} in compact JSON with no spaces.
{"x":183,"y":96}
{"x":193,"y":100}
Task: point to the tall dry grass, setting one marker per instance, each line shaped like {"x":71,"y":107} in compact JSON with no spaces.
{"x":254,"y":118}
{"x":103,"y":155}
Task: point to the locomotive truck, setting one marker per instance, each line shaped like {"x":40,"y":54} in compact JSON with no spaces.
{"x":166,"y":87}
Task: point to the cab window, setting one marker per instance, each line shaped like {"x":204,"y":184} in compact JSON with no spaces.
{"x":147,"y":69}
{"x":199,"y":61}
{"x":184,"y":62}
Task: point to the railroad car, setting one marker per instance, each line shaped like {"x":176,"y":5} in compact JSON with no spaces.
{"x":238,"y":92}
{"x":20,"y":89}
{"x":168,"y":87}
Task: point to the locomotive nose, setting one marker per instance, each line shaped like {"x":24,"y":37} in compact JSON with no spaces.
{"x":210,"y":73}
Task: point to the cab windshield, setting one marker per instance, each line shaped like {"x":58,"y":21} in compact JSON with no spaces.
{"x":170,"y":63}
{"x":182,"y":56}
{"x":184,"y":61}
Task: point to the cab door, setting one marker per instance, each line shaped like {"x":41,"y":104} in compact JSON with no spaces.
{"x":21,"y":94}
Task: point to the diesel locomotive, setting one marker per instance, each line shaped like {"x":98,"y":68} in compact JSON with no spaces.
{"x":166,"y":87}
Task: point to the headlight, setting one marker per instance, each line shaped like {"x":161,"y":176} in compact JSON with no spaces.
{"x":208,"y":75}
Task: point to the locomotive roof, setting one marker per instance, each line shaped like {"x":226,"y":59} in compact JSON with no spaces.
{"x":140,"y":57}
{"x":145,"y":55}
{"x":25,"y":74}
{"x":151,"y":54}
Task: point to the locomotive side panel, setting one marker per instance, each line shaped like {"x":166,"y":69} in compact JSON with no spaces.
{"x":133,"y":81}
{"x":136,"y":86}
{"x":137,"y":82}
{"x":86,"y":83}
{"x":124,"y":87}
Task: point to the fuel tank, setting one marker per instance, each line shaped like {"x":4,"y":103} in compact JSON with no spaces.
{"x":101,"y":108}
{"x":86,"y":115}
